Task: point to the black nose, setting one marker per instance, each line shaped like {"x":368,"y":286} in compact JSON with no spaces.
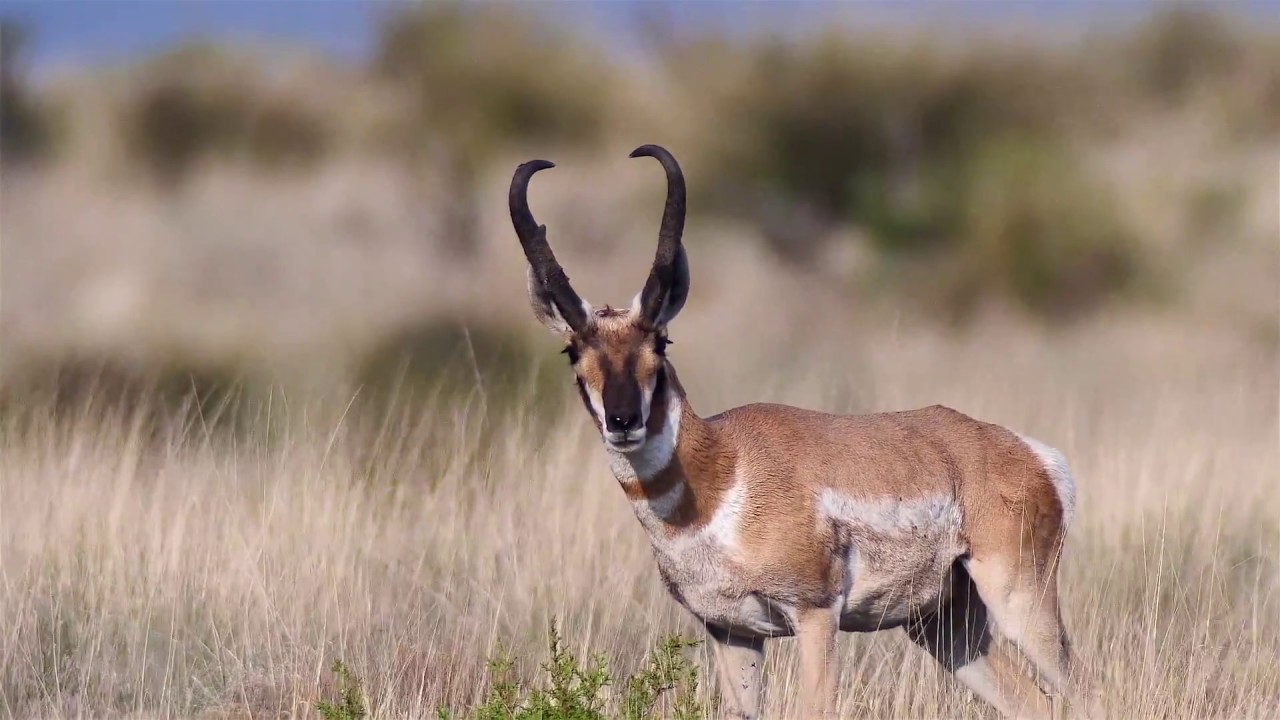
{"x":622,"y":422}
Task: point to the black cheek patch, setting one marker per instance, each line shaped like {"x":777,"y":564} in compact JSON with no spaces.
{"x":658,"y":404}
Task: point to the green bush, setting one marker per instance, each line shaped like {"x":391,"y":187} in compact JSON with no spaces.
{"x":26,"y":127}
{"x":479,"y":81}
{"x":165,"y":398}
{"x":955,"y":162}
{"x":197,"y":103}
{"x":573,"y":690}
{"x":1202,"y":57}
{"x":351,"y":703}
{"x":859,"y":130}
{"x":487,"y":380}
{"x":1033,"y":227}
{"x":1181,"y":49}
{"x":570,"y":689}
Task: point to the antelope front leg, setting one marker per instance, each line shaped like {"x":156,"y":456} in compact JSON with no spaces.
{"x":816,"y":630}
{"x":739,"y":662}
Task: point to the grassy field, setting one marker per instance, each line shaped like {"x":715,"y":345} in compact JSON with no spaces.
{"x":1078,"y":242}
{"x":183,"y":573}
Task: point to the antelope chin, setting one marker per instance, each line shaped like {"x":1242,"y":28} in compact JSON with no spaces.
{"x":625,"y":442}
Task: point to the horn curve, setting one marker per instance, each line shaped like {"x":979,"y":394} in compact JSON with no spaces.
{"x":551,"y":278}
{"x":670,"y":250}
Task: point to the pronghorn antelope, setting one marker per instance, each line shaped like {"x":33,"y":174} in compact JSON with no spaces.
{"x":772,"y":521}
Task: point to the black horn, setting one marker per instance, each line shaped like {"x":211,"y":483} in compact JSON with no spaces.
{"x":551,"y":278}
{"x":664,"y":287}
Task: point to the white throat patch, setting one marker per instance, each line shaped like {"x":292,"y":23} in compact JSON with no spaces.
{"x":656,"y":453}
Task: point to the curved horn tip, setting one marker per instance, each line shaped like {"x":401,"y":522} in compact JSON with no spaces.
{"x":649,"y":151}
{"x":534,"y":166}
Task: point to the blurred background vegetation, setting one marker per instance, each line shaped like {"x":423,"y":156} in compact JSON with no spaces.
{"x":215,"y":211}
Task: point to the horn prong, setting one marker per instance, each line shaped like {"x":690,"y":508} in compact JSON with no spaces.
{"x":670,"y":232}
{"x":533,"y":239}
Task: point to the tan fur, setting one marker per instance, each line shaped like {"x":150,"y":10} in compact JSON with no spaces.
{"x":698,"y":455}
{"x":770,"y":520}
{"x":794,"y":569}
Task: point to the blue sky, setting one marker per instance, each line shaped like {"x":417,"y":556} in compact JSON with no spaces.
{"x":77,"y":32}
{"x":90,"y":32}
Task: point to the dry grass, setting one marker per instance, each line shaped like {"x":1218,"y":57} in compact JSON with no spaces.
{"x":204,"y":575}
{"x":221,"y":577}
{"x":181,"y":573}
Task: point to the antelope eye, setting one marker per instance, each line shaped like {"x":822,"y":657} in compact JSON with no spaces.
{"x":572,"y":352}
{"x":660,"y":344}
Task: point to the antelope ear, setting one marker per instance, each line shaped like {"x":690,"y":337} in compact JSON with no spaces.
{"x":673,"y":296}
{"x":545,"y":309}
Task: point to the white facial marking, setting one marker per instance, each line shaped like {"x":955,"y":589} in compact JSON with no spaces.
{"x":615,"y":442}
{"x":704,"y":563}
{"x":649,"y":459}
{"x":646,"y":399}
{"x":597,"y":402}
{"x":1055,"y":464}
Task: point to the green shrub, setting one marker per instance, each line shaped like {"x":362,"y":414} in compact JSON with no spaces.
{"x":860,"y":130}
{"x":1034,"y":228}
{"x":474,"y":384}
{"x":164,"y":397}
{"x":1201,"y":57}
{"x":954,"y":161}
{"x":26,"y":127}
{"x":350,"y":704}
{"x":1181,"y":49}
{"x":479,"y":81}
{"x":453,"y":361}
{"x":668,"y":671}
{"x":198,"y":102}
{"x":572,"y":690}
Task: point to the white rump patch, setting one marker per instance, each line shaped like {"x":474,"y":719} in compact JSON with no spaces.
{"x":1055,"y":464}
{"x":932,"y":515}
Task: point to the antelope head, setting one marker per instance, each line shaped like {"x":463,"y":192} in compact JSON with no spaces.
{"x":618,"y":356}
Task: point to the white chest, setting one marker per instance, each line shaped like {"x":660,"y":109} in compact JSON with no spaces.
{"x":702,"y":567}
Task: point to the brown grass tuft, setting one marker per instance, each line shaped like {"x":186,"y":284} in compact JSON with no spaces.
{"x":209,"y":575}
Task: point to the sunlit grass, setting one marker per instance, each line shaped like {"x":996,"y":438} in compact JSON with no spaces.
{"x":223,"y":574}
